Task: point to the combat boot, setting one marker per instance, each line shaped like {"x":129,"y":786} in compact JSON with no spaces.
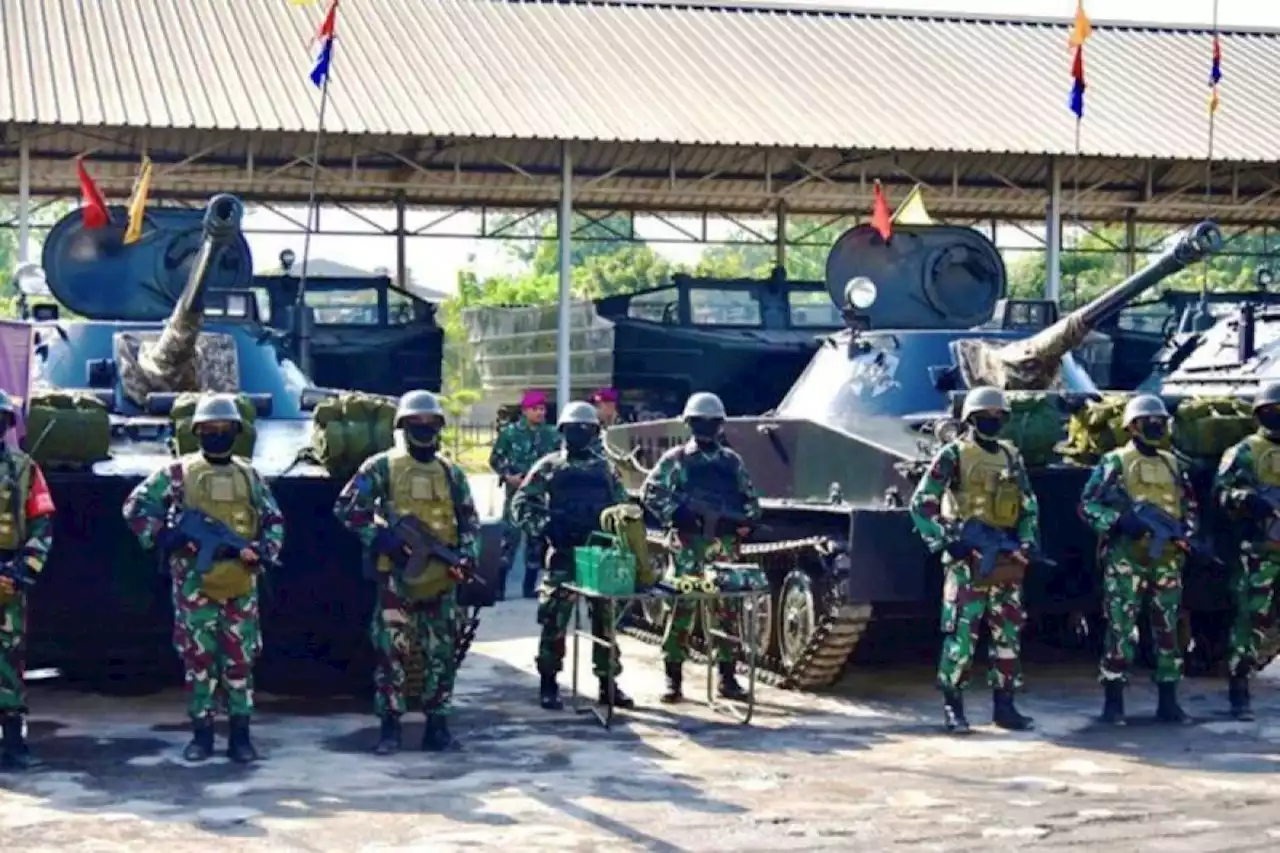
{"x":675,"y":679}
{"x":1238,"y":694}
{"x":435,"y":735}
{"x":953,"y":712}
{"x":1005,"y":715}
{"x":1167,"y":708}
{"x":16,"y":755}
{"x":729,"y":686}
{"x":239,"y":745}
{"x":620,"y":699}
{"x":201,"y":746}
{"x":549,"y":693}
{"x":388,"y":736}
{"x":1112,"y":703}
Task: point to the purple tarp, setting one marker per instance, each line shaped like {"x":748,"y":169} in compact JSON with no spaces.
{"x":15,"y":369}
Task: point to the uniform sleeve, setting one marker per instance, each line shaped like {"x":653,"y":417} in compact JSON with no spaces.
{"x":1190,"y":503}
{"x":500,"y":456}
{"x":271,"y":539}
{"x":620,"y":494}
{"x":1029,"y":520}
{"x":358,"y":501}
{"x":464,"y":507}
{"x":39,"y":512}
{"x":529,"y":503}
{"x":750,"y":497}
{"x":1235,"y":478}
{"x":661,"y":486}
{"x":148,"y":504}
{"x":1096,"y":506}
{"x":926,"y":500}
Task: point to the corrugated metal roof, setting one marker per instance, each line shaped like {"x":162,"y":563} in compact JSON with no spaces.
{"x":749,"y":76}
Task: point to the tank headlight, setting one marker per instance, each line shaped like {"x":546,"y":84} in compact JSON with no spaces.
{"x":1265,"y":278}
{"x":860,"y":293}
{"x":30,"y":280}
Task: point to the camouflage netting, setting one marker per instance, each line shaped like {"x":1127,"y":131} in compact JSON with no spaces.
{"x":78,"y":429}
{"x":185,"y":440}
{"x":1035,"y":426}
{"x":349,"y":429}
{"x":1032,"y":364}
{"x":143,"y":370}
{"x":1202,"y":428}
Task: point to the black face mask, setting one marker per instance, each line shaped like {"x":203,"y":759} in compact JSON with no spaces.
{"x":705,"y":430}
{"x":1152,"y":430}
{"x":988,"y":426}
{"x":423,"y":440}
{"x":1269,"y":419}
{"x":577,"y":437}
{"x":216,"y":446}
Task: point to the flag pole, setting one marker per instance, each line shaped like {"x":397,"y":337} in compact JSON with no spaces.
{"x":1208,"y":160}
{"x":304,"y":327}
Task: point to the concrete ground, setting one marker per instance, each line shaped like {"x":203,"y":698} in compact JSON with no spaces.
{"x":861,"y":768}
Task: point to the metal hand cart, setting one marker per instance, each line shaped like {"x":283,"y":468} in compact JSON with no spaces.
{"x":615,"y":609}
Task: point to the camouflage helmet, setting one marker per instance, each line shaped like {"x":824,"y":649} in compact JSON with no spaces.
{"x":578,"y":412}
{"x":1268,"y":395}
{"x":7,"y":404}
{"x":982,"y":399}
{"x":1144,"y":406}
{"x":418,"y":403}
{"x":704,"y":404}
{"x":216,"y":407}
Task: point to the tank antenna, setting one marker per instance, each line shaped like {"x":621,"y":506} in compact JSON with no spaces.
{"x":1081,"y":31}
{"x":1215,"y":78}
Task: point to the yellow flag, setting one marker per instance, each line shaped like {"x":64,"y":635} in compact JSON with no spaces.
{"x":1082,"y":29}
{"x":912,"y":210}
{"x":138,"y":204}
{"x":302,"y":2}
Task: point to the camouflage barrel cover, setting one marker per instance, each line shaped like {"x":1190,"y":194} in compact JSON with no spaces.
{"x":1203,"y":428}
{"x":350,"y":428}
{"x":67,"y":429}
{"x":184,"y":407}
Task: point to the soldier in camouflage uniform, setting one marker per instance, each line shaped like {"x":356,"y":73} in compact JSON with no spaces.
{"x":26,"y":534}
{"x":702,"y":465}
{"x":1139,"y":471}
{"x":413,"y":481}
{"x":1248,"y":467}
{"x":559,"y":505}
{"x":606,"y":402}
{"x":215,"y":626}
{"x":979,"y":477}
{"x":517,"y":447}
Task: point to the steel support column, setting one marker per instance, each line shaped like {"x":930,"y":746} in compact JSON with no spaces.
{"x":402,"y":263}
{"x":565,"y":236}
{"x":24,"y":200}
{"x":1130,"y":243}
{"x":1053,"y":234}
{"x":780,"y":242}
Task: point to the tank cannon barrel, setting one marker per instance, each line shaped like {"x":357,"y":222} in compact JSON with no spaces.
{"x":170,"y":363}
{"x":1032,"y":364}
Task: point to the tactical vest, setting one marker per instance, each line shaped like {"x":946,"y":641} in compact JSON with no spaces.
{"x":1153,"y":479}
{"x":985,"y":488}
{"x":423,"y":490}
{"x":713,"y":475}
{"x":15,"y":484}
{"x":1266,"y":468}
{"x":224,"y":492}
{"x":576,"y":496}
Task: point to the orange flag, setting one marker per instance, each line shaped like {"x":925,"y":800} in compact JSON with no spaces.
{"x":881,"y":217}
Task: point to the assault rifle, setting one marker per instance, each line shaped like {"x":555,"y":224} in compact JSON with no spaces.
{"x":212,"y":539}
{"x":14,"y":567}
{"x":414,"y":545}
{"x":717,"y":515}
{"x":1270,"y":525}
{"x":989,"y":543}
{"x":1163,"y":529}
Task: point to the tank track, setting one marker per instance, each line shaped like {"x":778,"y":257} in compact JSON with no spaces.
{"x":838,"y":625}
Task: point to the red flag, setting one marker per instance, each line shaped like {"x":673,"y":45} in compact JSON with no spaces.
{"x":881,"y":218}
{"x":94,"y":210}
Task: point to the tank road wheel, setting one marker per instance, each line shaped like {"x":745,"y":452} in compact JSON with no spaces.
{"x":797,"y":617}
{"x":761,"y":610}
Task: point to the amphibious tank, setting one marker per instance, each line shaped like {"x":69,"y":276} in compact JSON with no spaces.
{"x":838,"y":460}
{"x":171,"y":314}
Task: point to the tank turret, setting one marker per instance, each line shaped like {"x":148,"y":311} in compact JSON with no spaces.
{"x":179,"y":358}
{"x":1032,"y":364}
